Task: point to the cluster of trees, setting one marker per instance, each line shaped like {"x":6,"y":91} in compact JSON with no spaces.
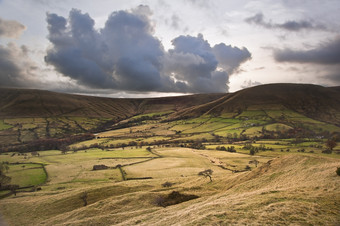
{"x":252,"y":149}
{"x":228,"y":149}
{"x":47,"y":144}
{"x":196,"y":145}
{"x":330,"y":144}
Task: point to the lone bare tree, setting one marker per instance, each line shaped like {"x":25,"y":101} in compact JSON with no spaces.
{"x":206,"y":173}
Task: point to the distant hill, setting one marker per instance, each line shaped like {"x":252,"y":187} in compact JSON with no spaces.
{"x":39,"y":103}
{"x":317,"y":102}
{"x":314,"y":101}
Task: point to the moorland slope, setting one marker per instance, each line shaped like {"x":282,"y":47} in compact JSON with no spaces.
{"x":313,"y":101}
{"x":16,"y":103}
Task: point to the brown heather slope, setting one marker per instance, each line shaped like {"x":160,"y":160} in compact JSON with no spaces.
{"x":317,"y":102}
{"x":38,"y":103}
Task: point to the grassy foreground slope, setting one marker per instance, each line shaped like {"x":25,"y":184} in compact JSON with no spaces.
{"x":298,"y":189}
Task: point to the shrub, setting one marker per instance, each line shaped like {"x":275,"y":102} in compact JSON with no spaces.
{"x":327,"y":151}
{"x":159,"y":201}
{"x":338,"y":171}
{"x":167,"y":184}
{"x":173,"y":198}
{"x":231,"y":149}
{"x":252,"y":152}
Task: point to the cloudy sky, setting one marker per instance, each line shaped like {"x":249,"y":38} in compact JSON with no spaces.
{"x":143,"y":48}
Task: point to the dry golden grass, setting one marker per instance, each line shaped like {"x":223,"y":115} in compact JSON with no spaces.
{"x":291,"y":189}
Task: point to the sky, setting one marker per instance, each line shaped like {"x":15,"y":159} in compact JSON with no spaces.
{"x":147,"y":48}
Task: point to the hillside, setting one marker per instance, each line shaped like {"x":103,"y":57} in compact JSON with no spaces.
{"x":292,"y":189}
{"x":275,"y":110}
{"x":15,"y":103}
{"x":316,"y":102}
{"x":261,"y":156}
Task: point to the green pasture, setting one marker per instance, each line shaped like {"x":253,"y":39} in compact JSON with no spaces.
{"x":323,"y":127}
{"x":228,"y":115}
{"x":279,"y":141}
{"x":277,"y":127}
{"x":253,"y":114}
{"x":153,"y":139}
{"x":253,"y":131}
{"x":26,"y":174}
{"x":198,"y":136}
{"x":224,"y":132}
{"x":206,"y":127}
{"x":183,"y":127}
{"x":152,"y":114}
{"x":88,"y":143}
{"x":4,"y":125}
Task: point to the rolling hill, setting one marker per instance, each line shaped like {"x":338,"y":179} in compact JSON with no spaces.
{"x":272,"y":151}
{"x":316,"y":102}
{"x":39,"y":103}
{"x":321,"y":103}
{"x":28,"y":115}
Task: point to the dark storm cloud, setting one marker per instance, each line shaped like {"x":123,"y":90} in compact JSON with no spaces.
{"x":16,"y":69}
{"x":122,"y":55}
{"x":290,"y":25}
{"x":334,"y":77}
{"x":325,"y":53}
{"x":10,"y":28}
{"x":230,"y":58}
{"x":125,"y":55}
{"x":201,"y":67}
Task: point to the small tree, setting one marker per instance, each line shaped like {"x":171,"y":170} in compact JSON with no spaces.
{"x":223,"y":148}
{"x":84,"y":197}
{"x":63,"y":149}
{"x":330,"y":144}
{"x":338,"y":171}
{"x":252,"y":152}
{"x":206,"y":173}
{"x":255,"y":162}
